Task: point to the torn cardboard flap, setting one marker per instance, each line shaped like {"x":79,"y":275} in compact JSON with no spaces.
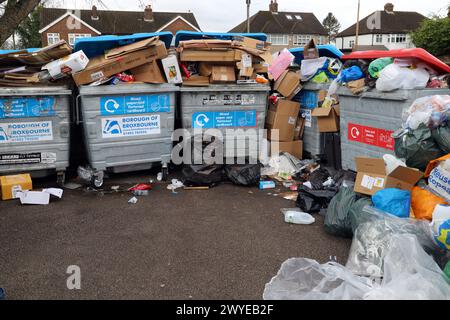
{"x":371,"y":176}
{"x":120,"y":51}
{"x":321,"y":112}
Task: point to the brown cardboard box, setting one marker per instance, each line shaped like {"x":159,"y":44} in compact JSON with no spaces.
{"x":250,"y":42}
{"x":299,"y":128}
{"x":132,"y":47}
{"x":261,"y":67}
{"x":372,"y":177}
{"x":208,"y":55}
{"x":148,"y":73}
{"x":10,"y":185}
{"x":288,"y":84}
{"x":223,"y":74}
{"x":196,"y":81}
{"x":205,"y":69}
{"x":295,"y":148}
{"x":283,"y":117}
{"x":311,"y":51}
{"x":101,"y":67}
{"x":327,"y":118}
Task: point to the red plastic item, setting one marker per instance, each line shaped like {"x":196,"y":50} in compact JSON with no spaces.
{"x":140,"y":187}
{"x":185,"y":70}
{"x":416,"y":53}
{"x":125,"y":77}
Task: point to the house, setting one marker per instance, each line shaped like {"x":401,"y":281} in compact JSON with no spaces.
{"x":386,"y":28}
{"x":58,"y":24}
{"x":285,"y":29}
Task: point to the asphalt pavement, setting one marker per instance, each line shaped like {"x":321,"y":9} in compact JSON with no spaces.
{"x":222,"y":243}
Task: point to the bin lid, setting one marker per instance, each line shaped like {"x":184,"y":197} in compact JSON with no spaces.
{"x":12,"y":51}
{"x":325,"y":50}
{"x":416,"y":53}
{"x":192,"y":35}
{"x":96,"y":46}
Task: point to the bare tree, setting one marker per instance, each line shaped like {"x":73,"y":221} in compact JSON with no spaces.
{"x":12,"y":12}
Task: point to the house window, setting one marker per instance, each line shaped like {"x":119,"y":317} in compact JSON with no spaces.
{"x":351,"y":43}
{"x":379,"y":38}
{"x":74,"y":36}
{"x":397,"y":38}
{"x":301,"y":39}
{"x":279,"y":39}
{"x":289,"y":17}
{"x":52,"y":38}
{"x":298,"y":17}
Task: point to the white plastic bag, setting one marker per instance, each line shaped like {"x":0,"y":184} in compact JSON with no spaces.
{"x":394,"y":77}
{"x":310,"y":67}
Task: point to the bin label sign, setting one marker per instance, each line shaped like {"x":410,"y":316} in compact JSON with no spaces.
{"x":372,"y":136}
{"x":131,"y":126}
{"x":26,"y":132}
{"x":26,"y":158}
{"x":307,"y":115}
{"x":27,"y":107}
{"x":121,"y":105}
{"x":224,"y":119}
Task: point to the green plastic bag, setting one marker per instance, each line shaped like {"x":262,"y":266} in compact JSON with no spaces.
{"x":447,"y":270}
{"x":357,"y":216}
{"x":337,"y":219}
{"x":442,"y":137}
{"x":418,"y":147}
{"x":320,"y":78}
{"x":377,"y":65}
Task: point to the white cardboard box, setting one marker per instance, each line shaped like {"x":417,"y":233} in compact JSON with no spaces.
{"x":172,"y":69}
{"x":68,"y":65}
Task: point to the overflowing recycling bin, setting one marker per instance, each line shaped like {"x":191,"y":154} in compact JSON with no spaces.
{"x":223,"y":89}
{"x":35,"y":114}
{"x":128,"y":115}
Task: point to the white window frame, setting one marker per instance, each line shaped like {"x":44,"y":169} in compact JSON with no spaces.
{"x":379,"y":38}
{"x":74,"y":36}
{"x":351,"y":43}
{"x":53,"y":38}
{"x":397,"y":38}
{"x":289,"y":17}
{"x":301,"y":39}
{"x":278,"y":39}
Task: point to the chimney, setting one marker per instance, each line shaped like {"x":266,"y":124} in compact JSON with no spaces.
{"x":389,"y":7}
{"x":94,"y":13}
{"x":148,"y":14}
{"x":273,"y":7}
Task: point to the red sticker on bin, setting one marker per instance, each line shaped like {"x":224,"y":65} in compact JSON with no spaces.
{"x":371,"y":136}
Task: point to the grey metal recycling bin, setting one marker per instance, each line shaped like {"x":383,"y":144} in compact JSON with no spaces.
{"x":35,"y":131}
{"x":225,"y":107}
{"x":368,"y":121}
{"x":313,"y":140}
{"x":127,"y":127}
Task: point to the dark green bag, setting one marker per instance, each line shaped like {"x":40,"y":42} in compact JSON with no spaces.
{"x":442,"y":137}
{"x":337,"y":219}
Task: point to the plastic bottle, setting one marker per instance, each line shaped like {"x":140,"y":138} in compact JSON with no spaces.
{"x":298,"y":217}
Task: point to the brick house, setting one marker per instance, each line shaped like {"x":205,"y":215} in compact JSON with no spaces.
{"x":285,"y":29}
{"x":58,"y":24}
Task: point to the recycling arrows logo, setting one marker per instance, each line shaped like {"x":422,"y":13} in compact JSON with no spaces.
{"x":201,"y":120}
{"x":111,"y":106}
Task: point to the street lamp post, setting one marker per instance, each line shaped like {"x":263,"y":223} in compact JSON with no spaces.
{"x":248,"y":15}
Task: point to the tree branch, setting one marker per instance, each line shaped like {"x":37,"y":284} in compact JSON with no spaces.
{"x":15,"y":12}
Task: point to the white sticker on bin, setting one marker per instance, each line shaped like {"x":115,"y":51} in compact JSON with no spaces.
{"x":118,"y":127}
{"x":17,"y":132}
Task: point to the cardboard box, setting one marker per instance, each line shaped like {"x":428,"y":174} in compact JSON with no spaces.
{"x":299,"y":128}
{"x":311,"y":51}
{"x":12,"y":186}
{"x":288,"y":84}
{"x":223,"y":74}
{"x":283,"y":117}
{"x":68,"y":65}
{"x":148,"y":73}
{"x":205,"y":69}
{"x":208,"y":55}
{"x":372,"y":176}
{"x":295,"y":148}
{"x":250,"y":43}
{"x":196,"y":81}
{"x":132,"y":47}
{"x":172,"y":69}
{"x":327,"y":118}
{"x":100,"y":67}
{"x":245,"y":66}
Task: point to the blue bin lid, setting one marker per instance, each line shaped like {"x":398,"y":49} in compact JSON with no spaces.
{"x":12,"y":51}
{"x":325,"y":50}
{"x":96,"y":46}
{"x":192,"y":35}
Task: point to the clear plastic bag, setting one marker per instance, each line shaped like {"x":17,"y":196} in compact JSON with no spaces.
{"x":430,"y":111}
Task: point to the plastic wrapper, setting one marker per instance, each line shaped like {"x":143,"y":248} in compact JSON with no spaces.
{"x":372,"y":237}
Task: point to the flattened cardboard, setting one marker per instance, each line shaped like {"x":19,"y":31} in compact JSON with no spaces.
{"x":295,"y":148}
{"x":196,"y":81}
{"x":120,"y":51}
{"x":299,"y":129}
{"x":288,"y":84}
{"x":223,"y":74}
{"x":205,"y":69}
{"x":148,"y":73}
{"x":371,"y":176}
{"x":283,"y":117}
{"x":208,"y":55}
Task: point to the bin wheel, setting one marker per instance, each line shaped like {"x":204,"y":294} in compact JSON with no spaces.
{"x":60,"y":178}
{"x":165,"y":173}
{"x":97,"y":181}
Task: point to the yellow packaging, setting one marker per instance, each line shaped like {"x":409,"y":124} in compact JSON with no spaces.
{"x":10,"y":185}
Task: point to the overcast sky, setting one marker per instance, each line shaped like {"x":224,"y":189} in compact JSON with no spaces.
{"x":222,"y":15}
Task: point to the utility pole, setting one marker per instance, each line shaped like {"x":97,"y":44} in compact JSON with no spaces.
{"x":357,"y":25}
{"x":248,"y":16}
